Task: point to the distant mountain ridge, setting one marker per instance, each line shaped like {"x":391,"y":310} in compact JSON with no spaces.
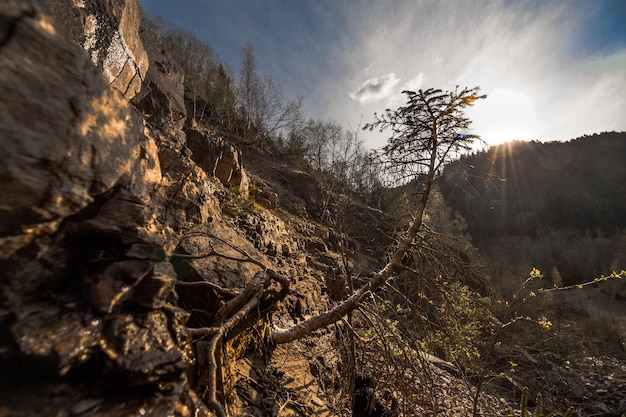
{"x":530,"y":188}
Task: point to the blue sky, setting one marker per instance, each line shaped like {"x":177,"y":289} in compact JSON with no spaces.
{"x":553,"y":70}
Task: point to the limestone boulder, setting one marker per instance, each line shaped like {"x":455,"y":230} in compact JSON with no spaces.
{"x":218,"y":158}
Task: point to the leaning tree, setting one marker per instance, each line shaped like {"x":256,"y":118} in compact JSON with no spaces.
{"x":426,"y":133}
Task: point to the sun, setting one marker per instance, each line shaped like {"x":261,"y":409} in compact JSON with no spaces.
{"x":504,"y":116}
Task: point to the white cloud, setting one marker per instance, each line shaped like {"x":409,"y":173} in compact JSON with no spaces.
{"x":375,"y":89}
{"x":397,"y":98}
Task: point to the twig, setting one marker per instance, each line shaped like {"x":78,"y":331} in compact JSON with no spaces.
{"x":203,"y":331}
{"x":217,"y":334}
{"x":227,"y":291}
{"x":287,"y":401}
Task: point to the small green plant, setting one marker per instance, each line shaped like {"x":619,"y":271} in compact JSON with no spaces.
{"x":525,"y":411}
{"x":238,"y":204}
{"x":520,"y":297}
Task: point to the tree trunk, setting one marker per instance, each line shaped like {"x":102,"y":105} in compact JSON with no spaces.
{"x":379,"y":279}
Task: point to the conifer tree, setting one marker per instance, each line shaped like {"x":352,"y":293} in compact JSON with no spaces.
{"x":425,"y":134}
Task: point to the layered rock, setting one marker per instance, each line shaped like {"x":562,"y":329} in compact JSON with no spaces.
{"x":161,"y":98}
{"x":93,"y":202}
{"x":109,"y":31}
{"x":66,"y":136}
{"x":218,"y":158}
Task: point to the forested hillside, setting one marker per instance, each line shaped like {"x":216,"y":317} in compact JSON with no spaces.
{"x":571,"y":195}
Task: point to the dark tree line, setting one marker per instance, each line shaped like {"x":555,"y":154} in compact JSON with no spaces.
{"x":567,"y":197}
{"x":535,"y":187}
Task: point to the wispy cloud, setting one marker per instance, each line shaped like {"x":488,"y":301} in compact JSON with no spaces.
{"x":375,"y":89}
{"x":524,"y":55}
{"x":414,"y":84}
{"x":534,"y":59}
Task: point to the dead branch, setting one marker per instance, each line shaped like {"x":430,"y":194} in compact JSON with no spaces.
{"x":257,"y":283}
{"x":241,"y":305}
{"x":226,"y":291}
{"x":243,"y":312}
{"x":233,"y":311}
{"x":203,"y":331}
{"x":212,"y":380}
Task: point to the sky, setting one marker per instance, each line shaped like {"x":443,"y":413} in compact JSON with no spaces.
{"x":552,"y":69}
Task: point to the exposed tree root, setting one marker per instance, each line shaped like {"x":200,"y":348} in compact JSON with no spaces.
{"x":224,"y":291}
{"x":250,"y":298}
{"x":256,"y":295}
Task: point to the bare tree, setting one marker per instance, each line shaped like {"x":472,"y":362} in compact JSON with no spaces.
{"x":273,"y":113}
{"x":262,"y":102}
{"x":223,"y":97}
{"x":249,"y":87}
{"x":207,"y":81}
{"x":318,"y":136}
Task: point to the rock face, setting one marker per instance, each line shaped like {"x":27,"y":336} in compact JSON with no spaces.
{"x":218,"y":158}
{"x":104,"y":191}
{"x":86,"y":286}
{"x":109,"y":31}
{"x":124,"y":234}
{"x":122,"y":228}
{"x":66,"y":136}
{"x":161,"y":98}
{"x":94,"y":199}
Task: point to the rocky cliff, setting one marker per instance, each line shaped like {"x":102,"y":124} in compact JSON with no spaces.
{"x":122,"y":227}
{"x":143,"y":265}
